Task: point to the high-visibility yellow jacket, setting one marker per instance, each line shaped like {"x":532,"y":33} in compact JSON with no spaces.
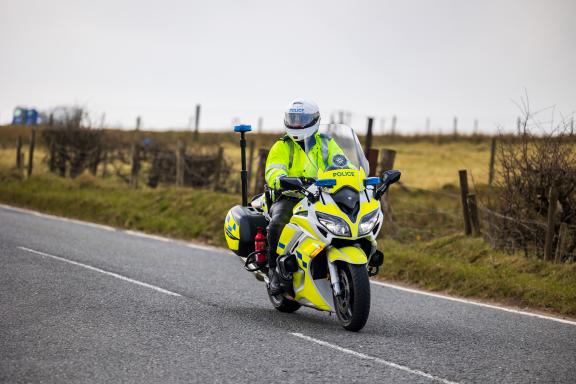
{"x":287,"y":158}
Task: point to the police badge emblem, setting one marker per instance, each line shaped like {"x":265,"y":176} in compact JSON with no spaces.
{"x":339,"y":160}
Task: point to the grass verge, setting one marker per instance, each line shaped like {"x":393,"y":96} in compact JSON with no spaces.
{"x":468,"y":267}
{"x":449,"y":262}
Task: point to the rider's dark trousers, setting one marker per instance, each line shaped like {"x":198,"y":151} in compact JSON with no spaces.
{"x":280,"y":213}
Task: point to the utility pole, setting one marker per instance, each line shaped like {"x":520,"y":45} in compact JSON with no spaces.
{"x":393,"y":128}
{"x":197,"y":120}
{"x":455,"y":126}
{"x":138,"y":123}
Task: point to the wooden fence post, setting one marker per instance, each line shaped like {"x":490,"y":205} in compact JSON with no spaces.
{"x":373,"y":162}
{"x":97,"y":156}
{"x":492,"y":157}
{"x":105,"y":165}
{"x":562,"y":242}
{"x":260,"y":175}
{"x":135,"y":166}
{"x":474,"y":218}
{"x":551,"y":223}
{"x":31,"y":152}
{"x":19,"y":153}
{"x":219,"y":161}
{"x":180,"y":162}
{"x":368,"y":143}
{"x":52,"y":161}
{"x":387,"y":157}
{"x":463,"y":175}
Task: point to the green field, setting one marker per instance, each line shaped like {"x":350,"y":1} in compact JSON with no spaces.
{"x":423,"y":243}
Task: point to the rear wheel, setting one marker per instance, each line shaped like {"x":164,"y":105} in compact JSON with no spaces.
{"x":283,"y":304}
{"x":353,"y":305}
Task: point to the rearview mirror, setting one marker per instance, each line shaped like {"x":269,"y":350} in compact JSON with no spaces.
{"x":290,"y":183}
{"x":391,"y":176}
{"x":388,"y":178}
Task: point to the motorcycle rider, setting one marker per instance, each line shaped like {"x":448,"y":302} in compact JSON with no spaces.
{"x":288,"y":157}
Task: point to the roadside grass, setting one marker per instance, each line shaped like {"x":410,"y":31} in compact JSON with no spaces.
{"x":429,"y":251}
{"x":181,"y":213}
{"x":468,"y":267}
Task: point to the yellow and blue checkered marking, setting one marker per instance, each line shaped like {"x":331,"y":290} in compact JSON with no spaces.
{"x":299,"y":255}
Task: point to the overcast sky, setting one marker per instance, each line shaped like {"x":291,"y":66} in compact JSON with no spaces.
{"x":413,"y":59}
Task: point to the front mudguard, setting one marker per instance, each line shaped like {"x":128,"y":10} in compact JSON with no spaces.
{"x":350,"y":255}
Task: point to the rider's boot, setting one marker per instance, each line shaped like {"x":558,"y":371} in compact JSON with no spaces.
{"x":275,"y":286}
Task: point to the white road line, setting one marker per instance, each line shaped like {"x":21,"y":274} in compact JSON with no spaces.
{"x":372,"y":358}
{"x":65,"y":219}
{"x":480,"y":304}
{"x":162,"y":290}
{"x":218,"y":250}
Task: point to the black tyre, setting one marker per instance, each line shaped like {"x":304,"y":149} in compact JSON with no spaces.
{"x":283,"y":304}
{"x":353,"y":306}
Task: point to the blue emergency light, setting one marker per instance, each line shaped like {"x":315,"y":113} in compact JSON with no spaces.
{"x":372,"y":181}
{"x":242,"y":128}
{"x":325,"y":182}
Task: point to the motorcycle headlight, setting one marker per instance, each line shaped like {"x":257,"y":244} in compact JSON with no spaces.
{"x":367,"y":223}
{"x":334,"y":224}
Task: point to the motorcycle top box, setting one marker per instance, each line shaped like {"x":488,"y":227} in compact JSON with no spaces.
{"x":240,"y":228}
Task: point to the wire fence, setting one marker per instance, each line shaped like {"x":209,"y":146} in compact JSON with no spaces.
{"x":425,"y":215}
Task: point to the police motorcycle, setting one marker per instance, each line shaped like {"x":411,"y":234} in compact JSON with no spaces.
{"x":328,"y":250}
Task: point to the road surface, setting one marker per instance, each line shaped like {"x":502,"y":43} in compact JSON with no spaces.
{"x":87,"y":303}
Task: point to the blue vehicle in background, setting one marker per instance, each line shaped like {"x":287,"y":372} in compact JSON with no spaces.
{"x":25,"y":116}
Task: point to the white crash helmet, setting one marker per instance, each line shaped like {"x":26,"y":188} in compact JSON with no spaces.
{"x":302,"y":119}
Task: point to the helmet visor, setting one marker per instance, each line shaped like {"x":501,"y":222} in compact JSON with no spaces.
{"x":299,"y":120}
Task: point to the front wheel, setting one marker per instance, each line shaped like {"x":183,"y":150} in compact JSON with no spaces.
{"x":353,"y":305}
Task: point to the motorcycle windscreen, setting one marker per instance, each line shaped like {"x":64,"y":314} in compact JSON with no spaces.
{"x":335,"y":146}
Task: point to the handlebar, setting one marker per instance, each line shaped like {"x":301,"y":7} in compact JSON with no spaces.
{"x":288,"y":183}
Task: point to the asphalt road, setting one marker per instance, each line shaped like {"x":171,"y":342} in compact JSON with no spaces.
{"x":82,"y":303}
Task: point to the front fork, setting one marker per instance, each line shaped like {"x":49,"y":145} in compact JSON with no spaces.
{"x":334,"y":278}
